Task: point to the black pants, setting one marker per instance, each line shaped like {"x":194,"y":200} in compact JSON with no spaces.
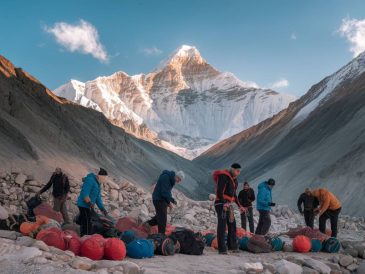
{"x":248,"y":215}
{"x":264,"y":224}
{"x":85,"y":221}
{"x":333,"y":216}
{"x":309,"y":218}
{"x":223,"y":221}
{"x":160,"y":218}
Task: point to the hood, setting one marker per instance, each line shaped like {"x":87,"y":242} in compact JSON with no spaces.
{"x":91,"y":176}
{"x":171,"y":175}
{"x":264,"y":185}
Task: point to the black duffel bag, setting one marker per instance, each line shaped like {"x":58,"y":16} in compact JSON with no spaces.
{"x":190,"y":243}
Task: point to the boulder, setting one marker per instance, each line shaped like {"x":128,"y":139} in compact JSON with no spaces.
{"x":25,"y":241}
{"x":40,"y":260}
{"x":189,"y":218}
{"x":11,"y":235}
{"x":33,"y":183}
{"x":20,"y":179}
{"x":131,"y":268}
{"x":346,"y":260}
{"x":114,"y":195}
{"x":361,"y":268}
{"x":317,"y":265}
{"x":41,"y":245}
{"x":307,"y":270}
{"x":113,"y":185}
{"x":32,"y":189}
{"x":352,"y":267}
{"x":351,"y":251}
{"x":269,"y":267}
{"x":13,"y":252}
{"x":3,"y":213}
{"x":106,"y":264}
{"x":333,"y":266}
{"x":120,"y":197}
{"x":360,"y":250}
{"x":286,"y":267}
{"x":82,"y":263}
{"x":253,"y":267}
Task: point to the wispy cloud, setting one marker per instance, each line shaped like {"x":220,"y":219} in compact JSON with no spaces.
{"x":282,"y":83}
{"x":152,"y":51}
{"x":354,"y":31}
{"x":82,"y":37}
{"x":293,"y":36}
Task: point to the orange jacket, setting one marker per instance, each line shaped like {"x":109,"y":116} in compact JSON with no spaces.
{"x":326,"y":200}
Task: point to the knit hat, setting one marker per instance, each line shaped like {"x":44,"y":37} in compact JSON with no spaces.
{"x":102,"y":172}
{"x":180,"y":174}
{"x":236,"y":166}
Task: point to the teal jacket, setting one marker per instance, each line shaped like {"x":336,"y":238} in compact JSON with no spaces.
{"x":264,"y":197}
{"x":90,"y":188}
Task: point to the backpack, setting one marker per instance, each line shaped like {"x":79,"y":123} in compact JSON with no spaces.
{"x":108,"y":229}
{"x":163,"y":244}
{"x":216,"y":175}
{"x":259,"y":244}
{"x":190,"y":243}
{"x":13,"y":222}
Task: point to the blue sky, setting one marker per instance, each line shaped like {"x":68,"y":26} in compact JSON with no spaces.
{"x":295,"y":42}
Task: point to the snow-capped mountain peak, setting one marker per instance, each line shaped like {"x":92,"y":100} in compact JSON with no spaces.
{"x":184,"y":55}
{"x":188,"y":104}
{"x":187,"y":52}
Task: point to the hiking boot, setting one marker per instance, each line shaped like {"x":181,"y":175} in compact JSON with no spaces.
{"x":234,"y":251}
{"x":223,"y":253}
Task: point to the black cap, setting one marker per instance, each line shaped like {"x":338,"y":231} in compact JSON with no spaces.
{"x":102,"y":172}
{"x":271,"y":182}
{"x":236,"y":166}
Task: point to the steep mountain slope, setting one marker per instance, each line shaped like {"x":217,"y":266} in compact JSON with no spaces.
{"x":318,"y":140}
{"x":185,"y":105}
{"x":39,"y":131}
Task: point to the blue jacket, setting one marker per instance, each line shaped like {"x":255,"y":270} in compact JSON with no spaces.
{"x":264,"y":197}
{"x":165,"y":183}
{"x":90,"y":188}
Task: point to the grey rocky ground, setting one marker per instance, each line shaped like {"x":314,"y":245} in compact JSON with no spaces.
{"x":20,"y":254}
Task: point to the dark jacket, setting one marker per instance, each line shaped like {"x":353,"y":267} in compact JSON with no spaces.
{"x":309,"y":201}
{"x":246,"y":197}
{"x":60,"y":183}
{"x":165,"y":183}
{"x":264,"y":197}
{"x":226,"y":190}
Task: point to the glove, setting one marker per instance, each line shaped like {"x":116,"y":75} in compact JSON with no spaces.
{"x":105,"y":212}
{"x":272,"y":204}
{"x":90,"y":205}
{"x":173,"y":201}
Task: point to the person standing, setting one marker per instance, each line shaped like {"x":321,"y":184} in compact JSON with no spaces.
{"x":310,"y":203}
{"x":162,"y":197}
{"x":264,"y":204}
{"x":226,"y":181}
{"x":61,"y":187}
{"x":329,"y":208}
{"x":246,"y":197}
{"x":89,"y":196}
